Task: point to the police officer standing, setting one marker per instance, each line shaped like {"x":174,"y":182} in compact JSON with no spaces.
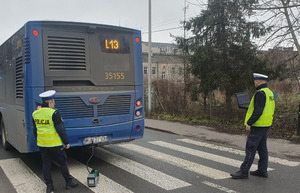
{"x":258,"y":119}
{"x":51,"y":137}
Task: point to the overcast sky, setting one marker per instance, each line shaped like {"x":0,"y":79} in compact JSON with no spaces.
{"x":166,"y":14}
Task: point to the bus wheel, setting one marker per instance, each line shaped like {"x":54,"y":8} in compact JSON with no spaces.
{"x":5,"y":144}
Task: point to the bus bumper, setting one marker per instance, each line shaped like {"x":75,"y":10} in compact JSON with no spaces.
{"x":106,"y":134}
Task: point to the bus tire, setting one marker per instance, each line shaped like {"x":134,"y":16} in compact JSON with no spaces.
{"x":5,"y":143}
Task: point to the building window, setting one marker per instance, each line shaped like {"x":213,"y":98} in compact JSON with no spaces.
{"x":162,"y":51}
{"x":145,"y":70}
{"x":173,"y":70}
{"x":175,"y":51}
{"x":180,"y":71}
{"x":153,"y":70}
{"x":163,"y":75}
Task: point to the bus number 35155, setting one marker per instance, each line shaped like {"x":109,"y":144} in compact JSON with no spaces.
{"x":114,"y":75}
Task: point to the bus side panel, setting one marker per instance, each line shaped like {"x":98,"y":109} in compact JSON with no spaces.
{"x":2,"y":80}
{"x":12,"y":90}
{"x":138,"y":123}
{"x":3,"y":54}
{"x":9,"y":98}
{"x":18,"y":117}
{"x":138,"y":59}
{"x":34,"y":77}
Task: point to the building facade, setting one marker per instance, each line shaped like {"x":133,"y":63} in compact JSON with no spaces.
{"x":166,"y":62}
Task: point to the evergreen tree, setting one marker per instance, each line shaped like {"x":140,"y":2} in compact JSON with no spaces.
{"x":222,"y":55}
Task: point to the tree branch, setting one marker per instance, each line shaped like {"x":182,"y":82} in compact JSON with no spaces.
{"x":270,"y":8}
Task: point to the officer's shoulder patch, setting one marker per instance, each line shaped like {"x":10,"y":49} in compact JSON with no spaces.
{"x":55,"y":112}
{"x":261,"y":91}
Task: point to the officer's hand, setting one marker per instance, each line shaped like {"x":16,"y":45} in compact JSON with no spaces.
{"x":67,"y":146}
{"x":248,"y":127}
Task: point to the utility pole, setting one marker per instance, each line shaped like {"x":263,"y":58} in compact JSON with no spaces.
{"x":184,"y":53}
{"x":184,"y":19}
{"x":149,"y":61}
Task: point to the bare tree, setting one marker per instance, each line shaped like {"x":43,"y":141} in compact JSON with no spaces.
{"x":283,"y":17}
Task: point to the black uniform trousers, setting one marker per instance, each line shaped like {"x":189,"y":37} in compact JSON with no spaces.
{"x":57,"y":154}
{"x":256,"y":141}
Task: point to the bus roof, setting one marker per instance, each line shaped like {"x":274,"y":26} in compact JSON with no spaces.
{"x":72,"y":23}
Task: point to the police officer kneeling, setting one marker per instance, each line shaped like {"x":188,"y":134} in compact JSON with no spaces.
{"x":51,"y":135}
{"x":258,"y":120}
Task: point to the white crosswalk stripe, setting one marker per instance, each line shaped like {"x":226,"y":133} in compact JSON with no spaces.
{"x":202,"y":154}
{"x":188,"y":165}
{"x":239,"y":152}
{"x":224,"y":189}
{"x":79,"y":171}
{"x":151,"y":175}
{"x":21,"y":177}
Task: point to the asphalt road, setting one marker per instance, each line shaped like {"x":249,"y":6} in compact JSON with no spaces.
{"x":160,"y":162}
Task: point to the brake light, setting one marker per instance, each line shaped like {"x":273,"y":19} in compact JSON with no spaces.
{"x":138,"y":103}
{"x":137,"y":40}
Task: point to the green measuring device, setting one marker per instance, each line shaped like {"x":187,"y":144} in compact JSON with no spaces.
{"x":93,"y":178}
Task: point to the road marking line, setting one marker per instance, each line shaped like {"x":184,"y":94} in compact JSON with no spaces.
{"x":239,"y":152}
{"x":149,"y":174}
{"x":23,"y":179}
{"x":224,"y":189}
{"x":201,"y":154}
{"x":79,"y":172}
{"x":185,"y":164}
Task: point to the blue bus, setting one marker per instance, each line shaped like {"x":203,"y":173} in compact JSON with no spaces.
{"x":96,"y":71}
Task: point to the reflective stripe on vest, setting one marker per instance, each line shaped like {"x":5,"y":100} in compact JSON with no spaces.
{"x":266,"y":119}
{"x":46,"y":132}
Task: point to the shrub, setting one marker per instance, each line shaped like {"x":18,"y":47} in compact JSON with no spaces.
{"x":177,"y":106}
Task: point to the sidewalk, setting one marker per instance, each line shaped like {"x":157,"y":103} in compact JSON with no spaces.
{"x":277,"y":147}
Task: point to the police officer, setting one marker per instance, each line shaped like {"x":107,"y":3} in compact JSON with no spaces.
{"x":258,"y":119}
{"x":51,"y":138}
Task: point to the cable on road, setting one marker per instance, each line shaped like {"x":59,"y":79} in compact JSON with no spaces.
{"x":93,"y":153}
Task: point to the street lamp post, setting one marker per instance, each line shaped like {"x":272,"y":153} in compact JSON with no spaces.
{"x":149,"y":61}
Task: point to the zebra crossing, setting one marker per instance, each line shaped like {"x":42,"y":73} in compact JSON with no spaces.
{"x":25,"y":180}
{"x":21,"y":177}
{"x":165,"y":181}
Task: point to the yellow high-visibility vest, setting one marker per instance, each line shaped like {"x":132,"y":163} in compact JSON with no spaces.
{"x":46,"y":132}
{"x":266,"y":119}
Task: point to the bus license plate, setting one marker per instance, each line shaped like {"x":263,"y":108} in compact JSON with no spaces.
{"x":95,"y":140}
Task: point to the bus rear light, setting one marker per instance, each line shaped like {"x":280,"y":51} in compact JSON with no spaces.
{"x":137,"y":40}
{"x":137,"y":128}
{"x":35,"y":32}
{"x":138,"y":113}
{"x":138,"y":103}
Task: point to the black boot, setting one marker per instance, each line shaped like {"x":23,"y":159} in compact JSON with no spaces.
{"x":71,"y":185}
{"x":239,"y":175}
{"x":259,"y":173}
{"x":50,"y":189}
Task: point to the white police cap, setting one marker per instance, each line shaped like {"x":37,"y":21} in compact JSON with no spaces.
{"x":48,"y":95}
{"x":258,"y":76}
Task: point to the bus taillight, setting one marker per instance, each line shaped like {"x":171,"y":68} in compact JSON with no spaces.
{"x":137,"y":40}
{"x":138,"y":103}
